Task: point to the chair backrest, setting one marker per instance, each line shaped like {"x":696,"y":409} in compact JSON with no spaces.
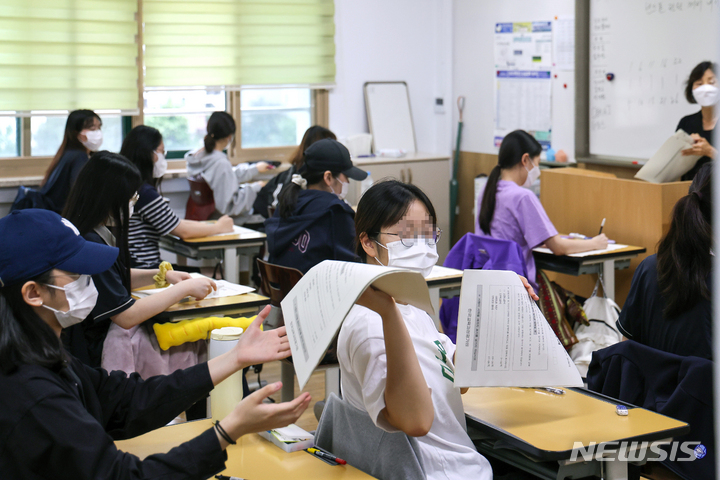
{"x":277,"y":281}
{"x":201,"y":202}
{"x":350,"y":434}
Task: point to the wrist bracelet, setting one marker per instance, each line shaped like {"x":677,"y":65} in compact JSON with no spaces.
{"x":223,"y":433}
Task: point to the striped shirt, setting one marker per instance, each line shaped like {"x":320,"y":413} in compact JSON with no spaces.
{"x":152,"y":218}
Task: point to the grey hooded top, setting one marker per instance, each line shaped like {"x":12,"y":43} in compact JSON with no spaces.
{"x":233,"y":196}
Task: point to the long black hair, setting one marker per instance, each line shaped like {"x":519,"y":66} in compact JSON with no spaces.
{"x":695,"y":75}
{"x":25,"y":339}
{"x":287,"y":199}
{"x":220,"y":125}
{"x":139,"y":147}
{"x":102,"y":192}
{"x":515,"y":144}
{"x":383,"y":205}
{"x":77,"y":121}
{"x":683,"y":259}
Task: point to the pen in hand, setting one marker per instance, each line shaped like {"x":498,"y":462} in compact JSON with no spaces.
{"x":601,"y":226}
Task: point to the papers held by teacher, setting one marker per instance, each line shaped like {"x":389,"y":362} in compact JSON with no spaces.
{"x":669,"y":164}
{"x":503,"y":339}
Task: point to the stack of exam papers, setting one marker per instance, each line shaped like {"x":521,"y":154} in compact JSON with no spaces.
{"x":224,"y":289}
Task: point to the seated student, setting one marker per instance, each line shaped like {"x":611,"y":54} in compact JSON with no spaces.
{"x":268,"y":195}
{"x":82,"y":136}
{"x":312,"y":222}
{"x":394,"y":363}
{"x":669,"y":304}
{"x":152,"y":216}
{"x":102,"y":199}
{"x":59,"y":417}
{"x":233,"y":196}
{"x":510,"y":212}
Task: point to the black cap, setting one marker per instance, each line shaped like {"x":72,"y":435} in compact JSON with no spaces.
{"x":329,"y":154}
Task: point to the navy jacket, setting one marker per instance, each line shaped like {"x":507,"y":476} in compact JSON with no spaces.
{"x":58,"y":186}
{"x":672,"y":385}
{"x":61,"y":425}
{"x":322,"y":227}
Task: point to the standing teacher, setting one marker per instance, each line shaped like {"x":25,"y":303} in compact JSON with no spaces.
{"x":701,"y":89}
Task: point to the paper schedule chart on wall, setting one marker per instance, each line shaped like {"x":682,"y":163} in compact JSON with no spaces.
{"x":523,"y":87}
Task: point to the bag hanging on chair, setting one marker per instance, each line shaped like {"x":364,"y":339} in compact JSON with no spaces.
{"x":602,"y":331}
{"x":553,"y":309}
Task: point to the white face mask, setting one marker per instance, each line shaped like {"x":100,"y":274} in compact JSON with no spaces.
{"x":344,"y":189}
{"x":81,"y":296}
{"x":160,"y":167}
{"x":705,"y":95}
{"x":420,"y":257}
{"x":94,"y":139}
{"x":533,"y":175}
{"x":131,"y":209}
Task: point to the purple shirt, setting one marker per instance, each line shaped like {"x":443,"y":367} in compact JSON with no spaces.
{"x":520,"y":217}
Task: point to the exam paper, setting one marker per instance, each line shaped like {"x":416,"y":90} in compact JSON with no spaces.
{"x":610,"y":248}
{"x":316,"y":307}
{"x":503,"y":340}
{"x":668,"y":164}
{"x":224,"y":289}
{"x":236,"y":231}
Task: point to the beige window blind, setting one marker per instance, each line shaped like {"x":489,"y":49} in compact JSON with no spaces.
{"x":68,"y":54}
{"x":238,"y":42}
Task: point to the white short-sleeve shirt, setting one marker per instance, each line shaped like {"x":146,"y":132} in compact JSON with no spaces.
{"x":447,"y":451}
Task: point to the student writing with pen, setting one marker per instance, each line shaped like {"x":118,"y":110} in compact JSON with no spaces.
{"x":510,"y":211}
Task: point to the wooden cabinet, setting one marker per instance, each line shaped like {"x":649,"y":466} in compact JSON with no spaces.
{"x":429,"y":172}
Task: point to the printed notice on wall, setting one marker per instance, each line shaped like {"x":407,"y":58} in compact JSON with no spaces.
{"x":503,"y":340}
{"x":523,"y":88}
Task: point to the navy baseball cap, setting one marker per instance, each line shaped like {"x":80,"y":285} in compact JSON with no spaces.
{"x":329,"y":154}
{"x":34,"y":241}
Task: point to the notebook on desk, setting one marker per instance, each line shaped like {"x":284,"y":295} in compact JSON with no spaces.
{"x":610,"y":248}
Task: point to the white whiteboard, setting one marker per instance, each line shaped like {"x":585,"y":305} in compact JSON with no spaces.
{"x":650,"y":47}
{"x":389,"y":116}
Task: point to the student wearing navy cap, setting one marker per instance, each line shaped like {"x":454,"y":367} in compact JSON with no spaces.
{"x":58,"y":417}
{"x":312,"y":222}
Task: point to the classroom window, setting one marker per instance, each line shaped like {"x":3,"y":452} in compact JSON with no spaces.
{"x":181,"y":116}
{"x":46,"y":134}
{"x":274,"y":117}
{"x":9,"y":137}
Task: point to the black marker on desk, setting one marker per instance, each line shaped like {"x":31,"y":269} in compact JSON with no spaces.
{"x":601,"y":226}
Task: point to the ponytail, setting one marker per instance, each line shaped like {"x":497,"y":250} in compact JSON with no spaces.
{"x":683,"y":259}
{"x":287,"y":199}
{"x":512,"y":149}
{"x":487,"y":207}
{"x":220,"y":125}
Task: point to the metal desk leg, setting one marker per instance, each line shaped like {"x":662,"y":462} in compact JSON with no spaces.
{"x":435,"y":300}
{"x":609,"y":278}
{"x":287,"y":376}
{"x":232,"y":267}
{"x":615,"y":470}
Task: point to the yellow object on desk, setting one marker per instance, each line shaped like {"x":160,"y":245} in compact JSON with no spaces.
{"x":174,"y":334}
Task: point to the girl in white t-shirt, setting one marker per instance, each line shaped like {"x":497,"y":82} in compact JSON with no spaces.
{"x":395,"y":364}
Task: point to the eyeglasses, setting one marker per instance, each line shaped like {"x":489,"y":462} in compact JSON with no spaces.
{"x":409,"y":242}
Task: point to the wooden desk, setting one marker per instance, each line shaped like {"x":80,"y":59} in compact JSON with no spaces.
{"x":443,"y":282}
{"x":252,"y":458}
{"x":227,"y":247}
{"x":605,"y":263}
{"x":237,"y":304}
{"x":544,"y":427}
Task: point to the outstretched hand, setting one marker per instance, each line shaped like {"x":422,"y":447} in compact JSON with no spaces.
{"x":256,"y":346}
{"x":253,"y":415}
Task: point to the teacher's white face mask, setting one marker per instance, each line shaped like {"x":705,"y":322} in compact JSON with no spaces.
{"x":420,"y":257}
{"x":706,"y":95}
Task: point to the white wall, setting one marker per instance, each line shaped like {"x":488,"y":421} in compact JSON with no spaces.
{"x":474,"y":72}
{"x":398,"y":40}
